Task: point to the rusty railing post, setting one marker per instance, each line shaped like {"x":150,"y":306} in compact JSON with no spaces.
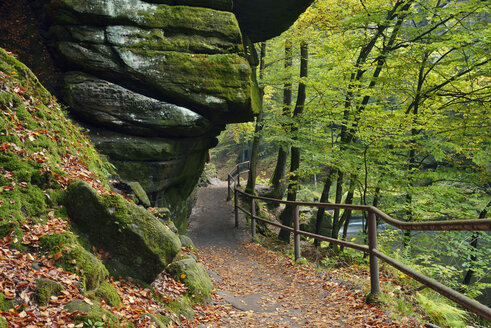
{"x":228,"y":188}
{"x":236,"y":208}
{"x":296,"y":235}
{"x":374,"y":269}
{"x":253,"y":220}
{"x":238,"y":175}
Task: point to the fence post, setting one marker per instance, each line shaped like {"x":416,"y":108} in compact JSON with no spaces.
{"x":374,"y":269}
{"x":238,"y":175}
{"x":236,"y":209}
{"x":228,"y":188}
{"x":253,"y":220}
{"x":296,"y":236}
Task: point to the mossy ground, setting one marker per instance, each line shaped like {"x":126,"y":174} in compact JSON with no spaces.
{"x":37,"y":145}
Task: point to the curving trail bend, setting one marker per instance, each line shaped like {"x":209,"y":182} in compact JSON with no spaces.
{"x":256,"y":287}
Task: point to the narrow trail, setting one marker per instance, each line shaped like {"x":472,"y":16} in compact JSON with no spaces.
{"x":256,"y":287}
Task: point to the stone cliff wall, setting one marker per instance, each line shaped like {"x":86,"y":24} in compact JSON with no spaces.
{"x":155,"y":82}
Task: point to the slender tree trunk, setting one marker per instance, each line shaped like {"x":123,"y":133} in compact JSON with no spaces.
{"x":324,"y":199}
{"x":474,"y":241}
{"x":287,"y":216}
{"x":251,"y":181}
{"x":278,"y":180}
{"x":339,"y":196}
{"x":346,"y":218}
{"x":412,"y":151}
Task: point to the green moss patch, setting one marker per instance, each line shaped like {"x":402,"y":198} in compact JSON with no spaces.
{"x":107,"y":292}
{"x":5,"y":304}
{"x":55,"y":242}
{"x":84,"y":311}
{"x":45,"y":288}
{"x":38,"y":147}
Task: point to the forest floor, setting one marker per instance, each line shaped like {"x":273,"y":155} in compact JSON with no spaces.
{"x":257,"y":287}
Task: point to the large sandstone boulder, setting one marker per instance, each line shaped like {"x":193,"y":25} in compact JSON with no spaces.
{"x":155,"y":81}
{"x":135,"y":243}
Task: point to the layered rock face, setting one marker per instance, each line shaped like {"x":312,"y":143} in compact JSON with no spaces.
{"x":155,"y":81}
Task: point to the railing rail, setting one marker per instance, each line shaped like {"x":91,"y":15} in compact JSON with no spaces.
{"x":374,"y":254}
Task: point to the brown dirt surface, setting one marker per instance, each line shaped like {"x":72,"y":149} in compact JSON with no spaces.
{"x":256,"y":287}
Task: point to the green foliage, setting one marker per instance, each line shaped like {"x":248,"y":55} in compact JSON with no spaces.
{"x":398,"y":97}
{"x":94,"y":324}
{"x":441,"y":312}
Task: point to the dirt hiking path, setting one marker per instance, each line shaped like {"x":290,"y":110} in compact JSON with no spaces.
{"x":256,"y":287}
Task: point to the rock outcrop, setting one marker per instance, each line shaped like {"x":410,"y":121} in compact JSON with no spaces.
{"x":155,"y":81}
{"x":137,"y":244}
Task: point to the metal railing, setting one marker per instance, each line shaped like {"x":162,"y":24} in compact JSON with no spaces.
{"x":371,"y":249}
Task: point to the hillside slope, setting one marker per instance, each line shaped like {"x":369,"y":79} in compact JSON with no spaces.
{"x":51,"y":273}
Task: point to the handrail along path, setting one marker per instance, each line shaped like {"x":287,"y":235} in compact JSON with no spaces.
{"x":371,"y":249}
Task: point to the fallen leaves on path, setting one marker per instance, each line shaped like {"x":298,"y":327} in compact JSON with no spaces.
{"x":290,"y":295}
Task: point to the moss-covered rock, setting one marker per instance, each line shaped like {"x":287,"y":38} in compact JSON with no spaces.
{"x":193,"y":275}
{"x":140,"y":194}
{"x":121,"y":147}
{"x":108,"y":104}
{"x":137,"y":37}
{"x":75,"y":258}
{"x":83,"y":311}
{"x":186,"y":241}
{"x":217,"y":86}
{"x":3,"y":322}
{"x":107,"y":292}
{"x":139,"y":245}
{"x":175,"y":19}
{"x":178,"y":203}
{"x":161,"y":71}
{"x":325,"y":228}
{"x":45,"y":288}
{"x":78,"y":260}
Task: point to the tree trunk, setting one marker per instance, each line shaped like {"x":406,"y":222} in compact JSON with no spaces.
{"x":251,"y":181}
{"x":339,"y":196}
{"x":324,"y":199}
{"x":278,"y":180}
{"x":346,"y":218}
{"x":287,"y":216}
